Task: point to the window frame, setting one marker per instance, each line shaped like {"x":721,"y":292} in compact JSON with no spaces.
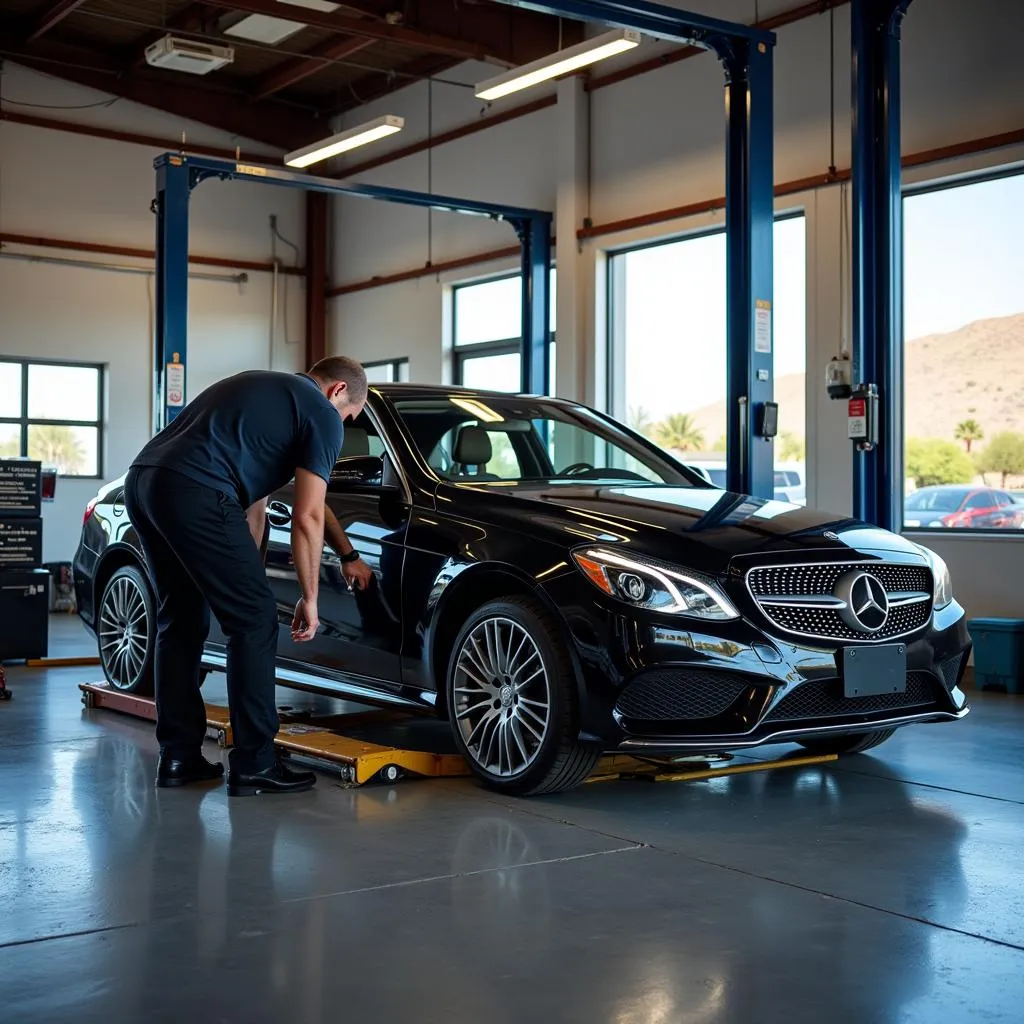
{"x":396,"y":365}
{"x":461,"y":354}
{"x":910,"y":190}
{"x":24,"y":421}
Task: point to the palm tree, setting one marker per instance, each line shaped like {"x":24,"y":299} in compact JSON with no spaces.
{"x":969,"y":431}
{"x":56,"y":445}
{"x":679,"y":433}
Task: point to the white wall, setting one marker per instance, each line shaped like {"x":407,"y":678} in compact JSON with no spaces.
{"x":95,"y":190}
{"x":656,"y":143}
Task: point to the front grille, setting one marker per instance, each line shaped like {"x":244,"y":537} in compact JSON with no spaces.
{"x":666,"y":695}
{"x":773,"y":586}
{"x":824,"y":699}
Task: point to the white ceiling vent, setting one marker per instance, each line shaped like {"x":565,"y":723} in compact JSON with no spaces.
{"x":187,"y":55}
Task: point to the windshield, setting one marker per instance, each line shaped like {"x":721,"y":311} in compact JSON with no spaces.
{"x":499,"y":440}
{"x":936,"y":501}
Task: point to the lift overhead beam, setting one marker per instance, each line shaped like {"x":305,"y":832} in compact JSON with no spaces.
{"x":746,"y":55}
{"x":178,"y":174}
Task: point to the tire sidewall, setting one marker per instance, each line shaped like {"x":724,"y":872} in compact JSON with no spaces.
{"x":561,"y":706}
{"x":144,"y":683}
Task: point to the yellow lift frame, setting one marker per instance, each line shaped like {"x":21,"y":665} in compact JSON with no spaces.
{"x":358,"y":761}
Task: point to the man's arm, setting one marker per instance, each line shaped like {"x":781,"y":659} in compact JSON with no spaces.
{"x":307,"y":547}
{"x":256,"y":514}
{"x":357,"y":573}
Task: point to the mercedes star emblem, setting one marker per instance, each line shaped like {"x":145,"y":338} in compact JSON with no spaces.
{"x":866,"y":604}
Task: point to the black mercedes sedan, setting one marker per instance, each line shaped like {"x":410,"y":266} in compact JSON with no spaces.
{"x":558,"y":587}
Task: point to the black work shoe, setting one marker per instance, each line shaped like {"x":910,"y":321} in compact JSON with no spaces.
{"x":177,"y":771}
{"x":278,"y":778}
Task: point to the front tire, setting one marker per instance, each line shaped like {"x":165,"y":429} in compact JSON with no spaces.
{"x":126,"y":630}
{"x":850,"y":744}
{"x":513,"y":701}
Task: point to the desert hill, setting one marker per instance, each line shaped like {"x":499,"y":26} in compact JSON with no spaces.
{"x":975,"y":372}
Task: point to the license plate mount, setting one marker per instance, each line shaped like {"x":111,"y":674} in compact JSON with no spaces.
{"x":871,"y":671}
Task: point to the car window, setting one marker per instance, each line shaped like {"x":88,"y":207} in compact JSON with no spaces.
{"x":938,"y":499}
{"x":982,"y":499}
{"x":361,"y":439}
{"x":531,"y":439}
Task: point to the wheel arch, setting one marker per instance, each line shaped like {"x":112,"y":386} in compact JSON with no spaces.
{"x":115,"y":557}
{"x":472,"y":588}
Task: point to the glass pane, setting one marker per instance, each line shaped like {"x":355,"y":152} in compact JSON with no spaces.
{"x":10,"y":440}
{"x":403,"y":371}
{"x":492,"y":310}
{"x":670,"y":336}
{"x":63,"y":392}
{"x":382,"y":373}
{"x":493,"y":373}
{"x":533,"y":440}
{"x":964,"y":355}
{"x":10,"y":390}
{"x":73,"y":450}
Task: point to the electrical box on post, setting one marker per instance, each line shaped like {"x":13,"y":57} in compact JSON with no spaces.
{"x":862,"y":416}
{"x":766,"y":423}
{"x":838,"y":377}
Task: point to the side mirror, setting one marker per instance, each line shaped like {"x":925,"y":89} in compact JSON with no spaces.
{"x":363,"y":474}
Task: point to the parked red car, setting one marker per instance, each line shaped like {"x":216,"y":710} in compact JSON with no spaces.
{"x":963,"y":507}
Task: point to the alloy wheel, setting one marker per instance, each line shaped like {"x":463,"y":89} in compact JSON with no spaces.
{"x":502,"y":697}
{"x":124,"y":632}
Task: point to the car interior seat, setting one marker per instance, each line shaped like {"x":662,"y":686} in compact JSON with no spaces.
{"x":473,"y":449}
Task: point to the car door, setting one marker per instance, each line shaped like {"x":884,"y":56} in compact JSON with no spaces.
{"x":360,"y":635}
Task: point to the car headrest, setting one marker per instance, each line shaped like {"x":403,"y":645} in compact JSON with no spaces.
{"x":356,"y":443}
{"x":473,"y":447}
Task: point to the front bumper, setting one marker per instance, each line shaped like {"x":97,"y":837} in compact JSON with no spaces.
{"x":660,"y":685}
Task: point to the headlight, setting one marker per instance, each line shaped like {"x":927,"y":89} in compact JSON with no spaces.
{"x":943,"y":588}
{"x":653,"y":587}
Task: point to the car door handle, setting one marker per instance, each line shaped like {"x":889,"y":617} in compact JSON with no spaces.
{"x":278,"y":513}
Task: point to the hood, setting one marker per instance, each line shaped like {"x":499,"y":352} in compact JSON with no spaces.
{"x":702,"y":528}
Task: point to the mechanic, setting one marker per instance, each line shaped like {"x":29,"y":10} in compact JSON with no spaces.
{"x":197,"y":495}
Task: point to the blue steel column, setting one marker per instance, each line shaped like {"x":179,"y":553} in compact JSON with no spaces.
{"x":535,"y":235}
{"x":171,"y":313}
{"x":878,"y":253}
{"x":749,"y":222}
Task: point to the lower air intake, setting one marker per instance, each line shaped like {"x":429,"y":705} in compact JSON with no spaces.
{"x":666,"y":695}
{"x":825,"y":699}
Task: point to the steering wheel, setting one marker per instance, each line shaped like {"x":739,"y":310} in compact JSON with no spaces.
{"x":576,"y":467}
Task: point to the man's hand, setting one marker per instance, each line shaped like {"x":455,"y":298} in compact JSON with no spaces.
{"x":357,"y":574}
{"x":305,"y":622}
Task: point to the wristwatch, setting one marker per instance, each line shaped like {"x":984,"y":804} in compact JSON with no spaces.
{"x":352,"y":556}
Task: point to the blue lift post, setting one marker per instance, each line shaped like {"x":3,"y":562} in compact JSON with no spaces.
{"x":177,"y":175}
{"x":746,"y":55}
{"x":878,"y":253}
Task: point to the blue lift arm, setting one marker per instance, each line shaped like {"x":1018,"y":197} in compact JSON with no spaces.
{"x":177,"y":175}
{"x":878,"y":252}
{"x":746,"y":55}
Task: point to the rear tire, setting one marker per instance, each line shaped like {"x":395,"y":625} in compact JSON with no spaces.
{"x":126,"y":632}
{"x":513,"y":701}
{"x":850,"y":744}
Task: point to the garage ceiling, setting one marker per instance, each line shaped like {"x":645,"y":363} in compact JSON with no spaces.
{"x":296,"y":62}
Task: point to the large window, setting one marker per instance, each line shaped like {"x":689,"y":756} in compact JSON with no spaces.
{"x":668,"y":349}
{"x":53,"y":412}
{"x":964,"y":357}
{"x":488,"y":334}
{"x":387,"y":371}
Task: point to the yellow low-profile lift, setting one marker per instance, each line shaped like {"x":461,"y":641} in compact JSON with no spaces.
{"x":328,"y":740}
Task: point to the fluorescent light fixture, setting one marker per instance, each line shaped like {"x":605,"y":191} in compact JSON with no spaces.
{"x":561,"y":63}
{"x":371,"y":131}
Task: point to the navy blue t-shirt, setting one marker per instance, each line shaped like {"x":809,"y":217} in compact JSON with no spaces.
{"x":247,"y":434}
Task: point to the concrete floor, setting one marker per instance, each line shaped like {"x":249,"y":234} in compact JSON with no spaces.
{"x":888,"y":889}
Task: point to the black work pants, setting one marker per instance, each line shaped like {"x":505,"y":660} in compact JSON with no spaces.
{"x":201,"y":556}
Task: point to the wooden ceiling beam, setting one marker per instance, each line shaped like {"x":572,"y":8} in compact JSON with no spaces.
{"x":54,"y":14}
{"x":299,"y":68}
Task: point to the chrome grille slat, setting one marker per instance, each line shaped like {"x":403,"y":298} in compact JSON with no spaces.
{"x":800,"y":598}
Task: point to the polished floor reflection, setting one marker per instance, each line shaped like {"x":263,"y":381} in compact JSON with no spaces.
{"x":888,"y":888}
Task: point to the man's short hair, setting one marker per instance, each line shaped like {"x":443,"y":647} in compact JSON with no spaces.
{"x":338,"y":369}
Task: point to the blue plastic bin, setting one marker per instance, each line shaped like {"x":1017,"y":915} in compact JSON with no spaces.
{"x":998,"y":654}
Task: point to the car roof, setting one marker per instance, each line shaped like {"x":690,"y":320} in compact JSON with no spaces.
{"x":411,"y":390}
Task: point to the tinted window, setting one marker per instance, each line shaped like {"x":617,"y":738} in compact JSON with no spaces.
{"x":938,"y":500}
